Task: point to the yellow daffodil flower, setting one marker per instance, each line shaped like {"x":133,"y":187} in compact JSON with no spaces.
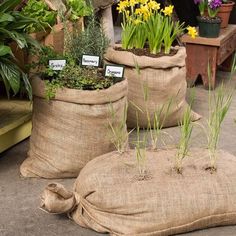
{"x":168,"y":10}
{"x":122,"y":6}
{"x":192,"y":31}
{"x":137,"y":21}
{"x":143,"y":1}
{"x":154,"y":5}
{"x":132,"y":3}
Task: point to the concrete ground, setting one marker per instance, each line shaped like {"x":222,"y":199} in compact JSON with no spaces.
{"x":20,"y":198}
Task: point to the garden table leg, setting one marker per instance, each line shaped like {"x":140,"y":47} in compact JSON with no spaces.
{"x":200,"y":57}
{"x":107,"y":24}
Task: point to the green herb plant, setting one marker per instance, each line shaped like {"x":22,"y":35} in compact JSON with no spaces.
{"x":75,"y":77}
{"x":91,"y":41}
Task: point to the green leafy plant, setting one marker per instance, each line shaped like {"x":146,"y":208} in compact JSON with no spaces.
{"x":51,"y":88}
{"x":78,"y":8}
{"x":12,"y":29}
{"x":40,"y":11}
{"x":186,"y":128}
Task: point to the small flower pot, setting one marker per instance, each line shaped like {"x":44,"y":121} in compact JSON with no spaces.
{"x":224,"y":13}
{"x":209,"y":27}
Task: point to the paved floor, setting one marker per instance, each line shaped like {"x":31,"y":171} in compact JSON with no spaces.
{"x":19,"y":198}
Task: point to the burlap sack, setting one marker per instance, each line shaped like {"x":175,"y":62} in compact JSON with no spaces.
{"x":164,"y":78}
{"x":71,"y":129}
{"x":108,"y":197}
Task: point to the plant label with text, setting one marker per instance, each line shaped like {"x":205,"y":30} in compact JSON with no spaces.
{"x":89,"y":60}
{"x":57,"y":64}
{"x":114,"y":71}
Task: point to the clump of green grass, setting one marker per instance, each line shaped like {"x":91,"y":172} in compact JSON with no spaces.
{"x":158,"y":122}
{"x":119,"y":134}
{"x":219,"y":104}
{"x":140,"y":152}
{"x":186,"y":128}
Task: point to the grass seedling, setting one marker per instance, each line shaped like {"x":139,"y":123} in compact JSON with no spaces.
{"x":219,"y":104}
{"x":140,"y":152}
{"x":186,"y":128}
{"x":158,"y":122}
{"x":119,"y":134}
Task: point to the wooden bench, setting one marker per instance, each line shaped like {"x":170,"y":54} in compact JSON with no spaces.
{"x":204,"y":53}
{"x":15,"y":122}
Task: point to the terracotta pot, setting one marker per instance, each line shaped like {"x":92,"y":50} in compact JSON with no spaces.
{"x":224,"y":13}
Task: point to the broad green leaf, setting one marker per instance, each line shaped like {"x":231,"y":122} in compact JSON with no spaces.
{"x":27,"y":85}
{"x":11,"y":73}
{"x":4,"y":17}
{"x":17,"y":37}
{"x":8,"y":5}
{"x":4,"y":50}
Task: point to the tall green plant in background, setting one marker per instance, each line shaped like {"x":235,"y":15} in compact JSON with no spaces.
{"x":12,"y":29}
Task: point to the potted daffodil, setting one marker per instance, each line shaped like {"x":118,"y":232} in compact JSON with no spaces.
{"x":155,"y":67}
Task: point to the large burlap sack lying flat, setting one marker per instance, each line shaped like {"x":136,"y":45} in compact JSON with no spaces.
{"x":71,"y":129}
{"x":165,"y":79}
{"x":108,"y":197}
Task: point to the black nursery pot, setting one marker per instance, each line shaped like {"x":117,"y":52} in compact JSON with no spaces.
{"x":209,"y":27}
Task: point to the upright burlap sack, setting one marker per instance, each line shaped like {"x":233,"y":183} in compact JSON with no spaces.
{"x":108,"y":197}
{"x":165,"y":80}
{"x":71,"y":129}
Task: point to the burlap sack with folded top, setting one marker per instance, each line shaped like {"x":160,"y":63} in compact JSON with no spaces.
{"x":108,"y":196}
{"x":71,"y":129}
{"x":164,"y":79}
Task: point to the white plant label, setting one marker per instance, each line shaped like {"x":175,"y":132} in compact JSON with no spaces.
{"x":88,"y":60}
{"x":57,"y":64}
{"x":114,"y":71}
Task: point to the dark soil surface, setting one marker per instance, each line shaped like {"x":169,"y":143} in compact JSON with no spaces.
{"x":146,"y":52}
{"x":207,"y":19}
